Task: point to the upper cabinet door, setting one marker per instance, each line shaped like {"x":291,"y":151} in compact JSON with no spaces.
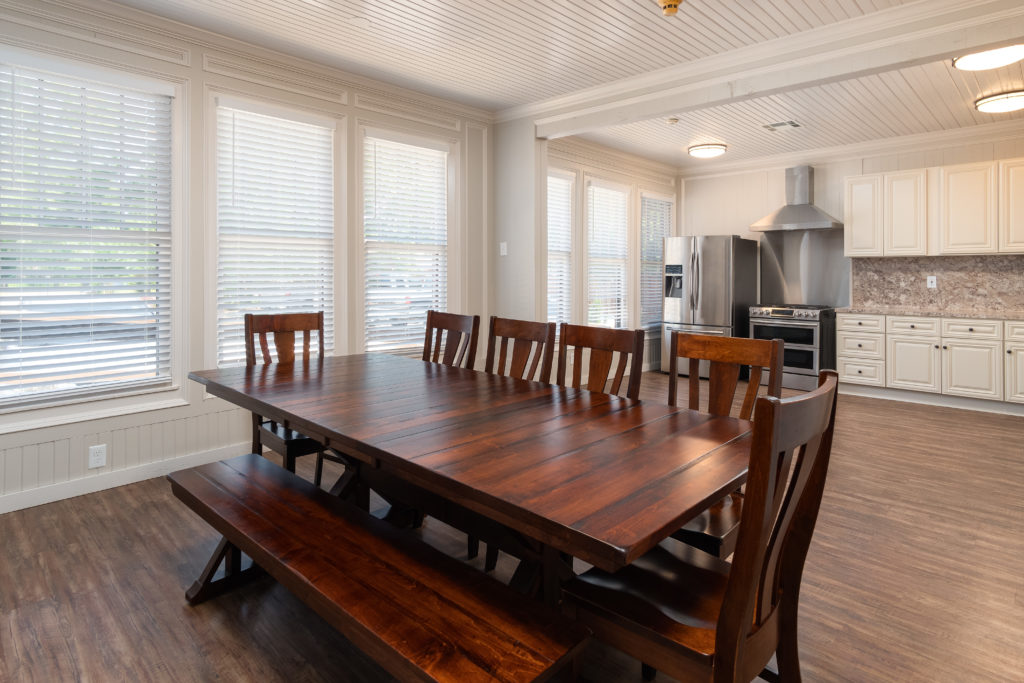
{"x":1011,"y":206}
{"x":906,"y":213}
{"x":862,"y":234}
{"x":967,"y":213}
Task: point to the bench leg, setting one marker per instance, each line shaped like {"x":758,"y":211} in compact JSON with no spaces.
{"x":205,"y":587}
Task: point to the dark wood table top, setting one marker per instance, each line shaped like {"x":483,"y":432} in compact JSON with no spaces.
{"x":600,"y":477}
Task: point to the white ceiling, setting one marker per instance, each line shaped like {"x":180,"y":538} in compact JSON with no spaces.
{"x":509,"y":54}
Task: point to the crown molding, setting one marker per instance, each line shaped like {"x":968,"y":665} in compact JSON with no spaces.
{"x":922,"y":142}
{"x":916,"y":33}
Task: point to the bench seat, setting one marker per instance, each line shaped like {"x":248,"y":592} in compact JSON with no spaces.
{"x":421,"y":614}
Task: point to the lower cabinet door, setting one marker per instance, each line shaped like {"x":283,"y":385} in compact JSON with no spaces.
{"x":913,"y":363}
{"x":972,"y":368}
{"x":1013,"y":361}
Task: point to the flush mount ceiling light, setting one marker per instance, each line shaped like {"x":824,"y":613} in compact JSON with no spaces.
{"x":990,"y":59}
{"x":669,"y":7}
{"x":708,"y":151}
{"x":1002,"y":103}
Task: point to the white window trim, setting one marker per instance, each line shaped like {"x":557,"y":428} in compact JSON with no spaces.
{"x":653,"y":194}
{"x":111,"y":402}
{"x":574,"y":179}
{"x":457,"y":272}
{"x":217,"y":98}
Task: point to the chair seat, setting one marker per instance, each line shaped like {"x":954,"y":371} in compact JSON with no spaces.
{"x":672,"y":595}
{"x":715,"y":530}
{"x":287,"y":442}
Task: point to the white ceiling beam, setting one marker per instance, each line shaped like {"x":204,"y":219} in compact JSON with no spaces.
{"x":908,"y":35}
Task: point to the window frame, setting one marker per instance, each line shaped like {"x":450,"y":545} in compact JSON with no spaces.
{"x":592,"y":180}
{"x":216,"y":98}
{"x":573,"y":178}
{"x":113,"y":401}
{"x":456,"y":271}
{"x":643,"y":191}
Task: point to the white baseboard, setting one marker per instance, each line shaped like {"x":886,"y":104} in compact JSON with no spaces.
{"x":109,"y":480}
{"x":926,"y":398}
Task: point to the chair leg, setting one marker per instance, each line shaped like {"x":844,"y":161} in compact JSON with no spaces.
{"x":647,"y":672}
{"x":289,"y":463}
{"x":257,"y":447}
{"x":491,"y":558}
{"x":787,"y":654}
{"x":472,"y":547}
{"x":318,"y":473}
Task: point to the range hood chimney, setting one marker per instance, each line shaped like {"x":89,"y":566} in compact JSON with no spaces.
{"x":799,"y":213}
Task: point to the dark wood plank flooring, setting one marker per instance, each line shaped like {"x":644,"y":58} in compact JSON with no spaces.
{"x":916,"y":573}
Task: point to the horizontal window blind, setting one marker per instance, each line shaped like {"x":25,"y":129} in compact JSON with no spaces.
{"x":655,"y":226}
{"x":275,"y":223}
{"x":405,"y":233}
{"x":607,"y":251}
{"x":560,"y":216}
{"x":85,"y":237}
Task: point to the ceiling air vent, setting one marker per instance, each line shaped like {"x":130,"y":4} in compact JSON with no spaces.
{"x":781,"y":124}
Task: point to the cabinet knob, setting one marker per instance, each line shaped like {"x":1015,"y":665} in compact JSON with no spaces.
{"x":944,"y":348}
{"x":913,"y":326}
{"x":859,"y":322}
{"x":859,"y":372}
{"x":859,"y":345}
{"x":936,"y":346}
{"x":970,"y":329}
{"x":1009,"y":352}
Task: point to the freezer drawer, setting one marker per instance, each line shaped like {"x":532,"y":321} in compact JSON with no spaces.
{"x":666,"y":341}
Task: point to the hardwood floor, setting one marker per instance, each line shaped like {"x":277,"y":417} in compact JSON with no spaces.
{"x":916,"y":573}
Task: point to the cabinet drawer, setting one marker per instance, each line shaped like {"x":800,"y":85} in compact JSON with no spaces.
{"x":905,"y":325}
{"x":855,"y":322}
{"x":1014,"y":330}
{"x":861,"y":371}
{"x":972,"y":329}
{"x":860,"y":345}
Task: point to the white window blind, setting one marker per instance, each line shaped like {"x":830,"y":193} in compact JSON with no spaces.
{"x":85,"y":237}
{"x":655,"y":226}
{"x":560,"y":217}
{"x":607,"y":252}
{"x":405,"y":232}
{"x":275,"y":223}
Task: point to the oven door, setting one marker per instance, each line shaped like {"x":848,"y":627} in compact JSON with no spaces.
{"x":791,"y":332}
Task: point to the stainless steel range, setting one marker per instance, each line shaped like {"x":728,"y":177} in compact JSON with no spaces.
{"x":809,"y":333}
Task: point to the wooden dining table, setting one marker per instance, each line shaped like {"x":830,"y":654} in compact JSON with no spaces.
{"x":581,"y":474}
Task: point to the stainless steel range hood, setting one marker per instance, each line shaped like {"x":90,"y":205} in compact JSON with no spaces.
{"x":799,"y":213}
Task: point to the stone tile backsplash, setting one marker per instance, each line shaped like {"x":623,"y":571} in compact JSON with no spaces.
{"x":988,"y":284}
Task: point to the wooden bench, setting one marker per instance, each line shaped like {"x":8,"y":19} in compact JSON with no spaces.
{"x":421,"y":614}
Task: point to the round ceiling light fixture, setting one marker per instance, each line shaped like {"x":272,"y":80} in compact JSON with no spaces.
{"x":669,"y":7}
{"x":990,"y":59}
{"x":1002,"y":103}
{"x":708,"y":151}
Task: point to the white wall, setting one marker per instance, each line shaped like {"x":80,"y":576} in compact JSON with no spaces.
{"x":43,"y":454}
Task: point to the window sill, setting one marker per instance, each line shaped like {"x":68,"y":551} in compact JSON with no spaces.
{"x":95,"y":408}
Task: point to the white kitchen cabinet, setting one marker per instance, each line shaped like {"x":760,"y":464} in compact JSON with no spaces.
{"x":905,"y":214}
{"x":863,"y":218}
{"x":972,"y":368}
{"x":968,"y":217}
{"x":1011,"y":206}
{"x":1013,"y":363}
{"x":861,"y":371}
{"x":913,"y":363}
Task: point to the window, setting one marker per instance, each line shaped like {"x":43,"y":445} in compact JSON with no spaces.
{"x":85,"y":237}
{"x":607,"y":253}
{"x":560,"y":195}
{"x":655,"y":226}
{"x":405,"y":240}
{"x":275,"y":222}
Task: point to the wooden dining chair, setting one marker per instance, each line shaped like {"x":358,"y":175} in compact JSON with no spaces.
{"x":697,"y":617}
{"x":282,"y":328}
{"x":451,"y":339}
{"x":715,"y":530}
{"x":603,"y":344}
{"x":533,"y":349}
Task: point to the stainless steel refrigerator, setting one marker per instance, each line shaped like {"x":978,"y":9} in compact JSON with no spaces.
{"x":710,"y":285}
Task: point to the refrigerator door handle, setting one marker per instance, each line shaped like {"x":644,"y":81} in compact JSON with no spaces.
{"x":693,"y":280}
{"x":697,"y":283}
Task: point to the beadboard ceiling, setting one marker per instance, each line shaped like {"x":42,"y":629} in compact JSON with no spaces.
{"x":916,"y":100}
{"x":511,"y":57}
{"x":498,"y":54}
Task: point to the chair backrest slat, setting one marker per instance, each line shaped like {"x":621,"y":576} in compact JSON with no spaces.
{"x":603,"y":344}
{"x":726,"y":356}
{"x":281,"y":327}
{"x":455,"y":334}
{"x":789,"y":455}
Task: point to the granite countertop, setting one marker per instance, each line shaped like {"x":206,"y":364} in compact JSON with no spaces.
{"x":987,"y":314}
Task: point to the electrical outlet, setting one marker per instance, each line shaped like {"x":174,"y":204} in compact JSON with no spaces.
{"x":97,"y":456}
{"x":932,"y":282}
{"x":503,"y":249}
